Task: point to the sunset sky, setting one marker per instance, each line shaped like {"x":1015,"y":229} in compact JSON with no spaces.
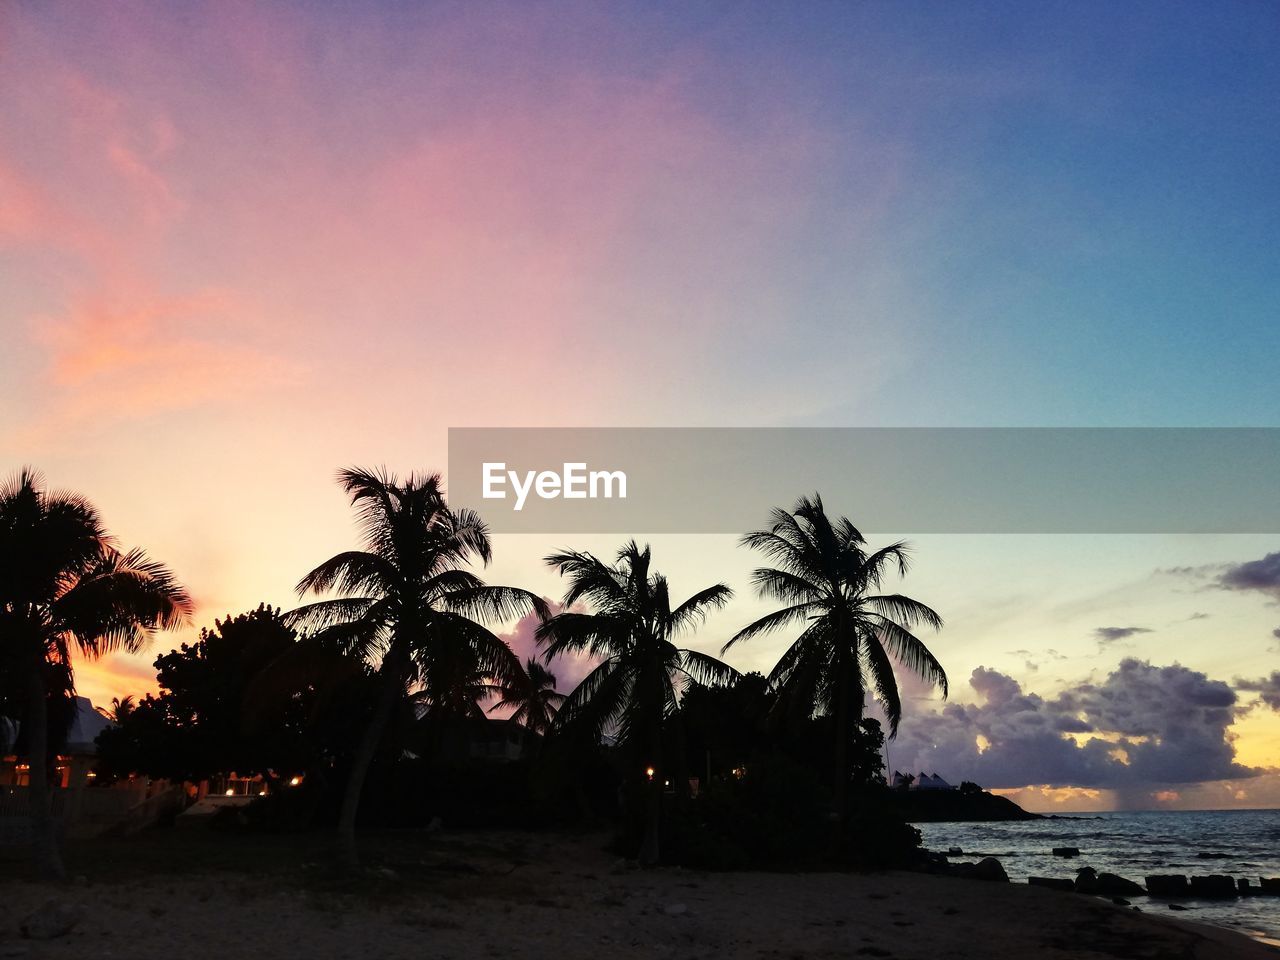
{"x":244,"y":245}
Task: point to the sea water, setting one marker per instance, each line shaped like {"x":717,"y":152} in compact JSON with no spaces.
{"x":1238,"y":843}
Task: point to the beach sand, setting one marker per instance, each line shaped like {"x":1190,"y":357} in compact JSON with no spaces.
{"x":547,"y":896}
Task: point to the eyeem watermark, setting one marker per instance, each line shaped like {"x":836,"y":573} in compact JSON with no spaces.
{"x":573,"y":482}
{"x":1148,"y":480}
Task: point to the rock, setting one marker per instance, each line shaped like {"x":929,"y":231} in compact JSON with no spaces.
{"x":1176,"y":906}
{"x":1086,"y":880}
{"x":675,"y":909}
{"x":52,"y":919}
{"x":1167,"y":885}
{"x":1111,"y":885}
{"x":1215,"y":885}
{"x":1270,"y":885}
{"x":954,"y":852}
{"x":1245,"y":888}
{"x":1120,"y":902}
{"x":1066,"y":851}
{"x":989,"y":868}
{"x":1053,"y":883}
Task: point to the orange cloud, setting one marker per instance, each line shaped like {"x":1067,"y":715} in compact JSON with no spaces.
{"x":137,"y":354}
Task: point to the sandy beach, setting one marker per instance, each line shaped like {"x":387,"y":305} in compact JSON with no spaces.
{"x":517,"y":895}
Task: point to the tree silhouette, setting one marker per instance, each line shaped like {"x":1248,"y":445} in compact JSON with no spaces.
{"x":850,"y":632}
{"x":532,"y":698}
{"x":65,"y":586}
{"x":630,"y":629}
{"x":406,"y":605}
{"x":121,"y":707}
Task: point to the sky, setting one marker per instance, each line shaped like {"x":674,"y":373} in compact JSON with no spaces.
{"x":244,"y":245}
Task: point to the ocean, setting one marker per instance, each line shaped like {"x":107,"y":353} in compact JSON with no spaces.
{"x":1240,"y":843}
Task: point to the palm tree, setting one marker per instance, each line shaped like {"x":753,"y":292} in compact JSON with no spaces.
{"x":532,"y":698}
{"x":65,"y":586}
{"x":638,"y":681}
{"x":121,"y":707}
{"x":406,"y":605}
{"x":851,"y":632}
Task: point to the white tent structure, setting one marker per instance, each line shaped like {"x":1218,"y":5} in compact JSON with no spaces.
{"x":931,"y":782}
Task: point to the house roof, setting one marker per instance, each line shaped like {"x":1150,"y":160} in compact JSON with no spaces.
{"x":85,"y":727}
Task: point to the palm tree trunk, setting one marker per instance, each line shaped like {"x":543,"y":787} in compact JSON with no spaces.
{"x":348,"y":855}
{"x":650,"y":846}
{"x":842,"y":751}
{"x":44,"y":835}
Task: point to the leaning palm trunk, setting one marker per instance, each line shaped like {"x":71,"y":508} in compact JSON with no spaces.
{"x":44,"y":839}
{"x":408,"y":601}
{"x":348,"y":853}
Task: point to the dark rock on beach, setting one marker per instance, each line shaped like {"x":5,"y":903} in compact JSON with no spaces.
{"x":1215,"y":885}
{"x":1106,"y":884}
{"x":1066,"y":851}
{"x":1167,"y":885}
{"x":1270,"y":885}
{"x":989,"y":868}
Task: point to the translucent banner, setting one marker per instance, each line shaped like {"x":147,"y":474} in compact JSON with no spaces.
{"x":887,"y":480}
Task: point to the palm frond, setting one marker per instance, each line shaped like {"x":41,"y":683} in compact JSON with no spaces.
{"x":495,"y":603}
{"x":884,"y":684}
{"x":706,"y":670}
{"x":694,"y":610}
{"x":906,"y":611}
{"x":770,"y":622}
{"x":909,"y":651}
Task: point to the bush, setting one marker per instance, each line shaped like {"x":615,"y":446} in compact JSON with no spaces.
{"x":778,"y":817}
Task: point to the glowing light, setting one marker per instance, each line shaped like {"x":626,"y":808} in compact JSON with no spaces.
{"x":649,"y":772}
{"x":230,"y":793}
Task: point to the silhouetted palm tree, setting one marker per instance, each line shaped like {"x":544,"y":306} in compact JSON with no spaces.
{"x":121,"y":707}
{"x":851,"y":632}
{"x":405,"y":605}
{"x":65,"y":586}
{"x":532,"y":698}
{"x":630,"y":629}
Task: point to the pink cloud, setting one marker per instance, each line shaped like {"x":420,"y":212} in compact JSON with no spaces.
{"x":139,"y":353}
{"x":569,"y":670}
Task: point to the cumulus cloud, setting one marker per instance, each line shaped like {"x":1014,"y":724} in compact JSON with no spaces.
{"x":1114,"y":634}
{"x":568,"y":670}
{"x":1267,"y":687}
{"x":1262,"y":576}
{"x":1142,"y":725}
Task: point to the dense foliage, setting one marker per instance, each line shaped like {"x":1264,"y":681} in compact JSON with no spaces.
{"x":373,"y":700}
